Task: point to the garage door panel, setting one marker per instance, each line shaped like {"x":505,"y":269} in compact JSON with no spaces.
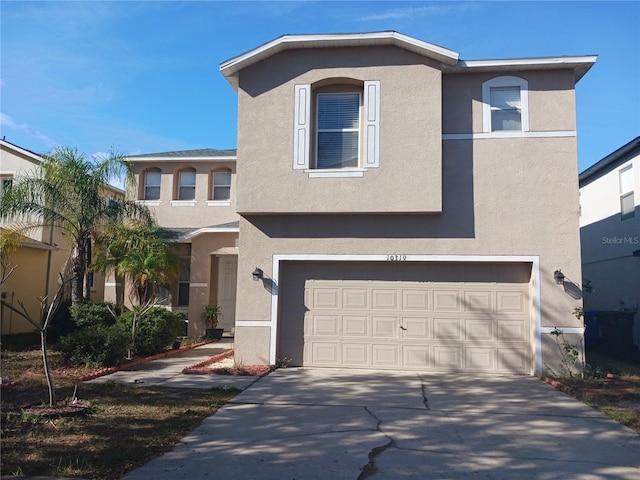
{"x":415,"y":300}
{"x":447,"y":358}
{"x":384,"y":355}
{"x":473,"y":323}
{"x":384,"y":327}
{"x":446,"y":328}
{"x":355,"y":326}
{"x":511,"y":302}
{"x":479,"y":358}
{"x":416,"y":356}
{"x":446,"y":301}
{"x":478,"y":301}
{"x":355,"y":354}
{"x":324,"y":353}
{"x":478,"y":329}
{"x":512,"y":330}
{"x":355,"y":298}
{"x":417,"y":328}
{"x":384,"y":299}
{"x":325,"y":325}
{"x":326,"y":298}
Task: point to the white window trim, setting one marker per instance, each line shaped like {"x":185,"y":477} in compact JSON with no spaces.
{"x":180,"y":185}
{"x":336,"y":173}
{"x":183,"y":203}
{"x":149,"y":203}
{"x":506,"y":81}
{"x":225,"y":201}
{"x":626,"y":193}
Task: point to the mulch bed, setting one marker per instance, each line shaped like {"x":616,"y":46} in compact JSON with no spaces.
{"x":612,"y":384}
{"x":204,"y":368}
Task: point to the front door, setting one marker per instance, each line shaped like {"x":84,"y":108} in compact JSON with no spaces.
{"x":227,"y":279}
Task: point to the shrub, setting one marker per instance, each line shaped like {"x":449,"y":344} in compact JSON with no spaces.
{"x":100,"y":346}
{"x":157,"y":328}
{"x":93,"y":314}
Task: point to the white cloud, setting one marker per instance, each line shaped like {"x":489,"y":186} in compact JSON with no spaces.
{"x":9,"y":123}
{"x":410,"y":13}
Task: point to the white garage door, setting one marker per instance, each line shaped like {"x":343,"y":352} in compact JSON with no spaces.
{"x":444,"y":317}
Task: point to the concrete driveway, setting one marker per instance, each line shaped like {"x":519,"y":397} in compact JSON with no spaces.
{"x":338,"y":424}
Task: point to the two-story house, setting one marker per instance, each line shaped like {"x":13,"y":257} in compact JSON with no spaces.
{"x":399,"y":207}
{"x":610,"y":231}
{"x":192,"y":194}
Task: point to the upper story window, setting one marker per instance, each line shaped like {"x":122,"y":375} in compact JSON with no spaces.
{"x":221,"y":184}
{"x":337,"y":130}
{"x":344,"y":116}
{"x":186,"y":185}
{"x":505,"y":105}
{"x":152,"y":185}
{"x":627,"y":201}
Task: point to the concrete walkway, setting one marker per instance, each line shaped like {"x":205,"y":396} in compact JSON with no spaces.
{"x":336,"y":424}
{"x":167,"y":371}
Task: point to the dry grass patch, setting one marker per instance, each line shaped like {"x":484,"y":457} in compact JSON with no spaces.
{"x":124,"y":427}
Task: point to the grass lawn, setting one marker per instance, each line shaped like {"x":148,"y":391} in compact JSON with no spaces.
{"x":125,"y":425}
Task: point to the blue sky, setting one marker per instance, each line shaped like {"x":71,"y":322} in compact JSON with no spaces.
{"x":143,"y":77}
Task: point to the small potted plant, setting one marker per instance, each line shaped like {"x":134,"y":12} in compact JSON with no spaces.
{"x":212,"y":313}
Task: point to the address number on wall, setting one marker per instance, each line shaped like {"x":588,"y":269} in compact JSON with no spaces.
{"x":396,"y":258}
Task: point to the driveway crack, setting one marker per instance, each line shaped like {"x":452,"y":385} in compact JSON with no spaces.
{"x":423,"y":387}
{"x":371,"y":468}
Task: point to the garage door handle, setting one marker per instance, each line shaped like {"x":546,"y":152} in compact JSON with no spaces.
{"x":402,"y":328}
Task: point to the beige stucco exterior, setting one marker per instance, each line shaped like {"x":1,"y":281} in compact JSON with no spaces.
{"x":410,"y":134}
{"x":204,"y":230}
{"x":445,"y":190}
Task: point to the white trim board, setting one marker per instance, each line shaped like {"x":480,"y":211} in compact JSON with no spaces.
{"x":533,"y":259}
{"x":508,"y":134}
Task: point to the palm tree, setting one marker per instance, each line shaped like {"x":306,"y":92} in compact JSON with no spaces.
{"x":139,"y":253}
{"x":68,"y":192}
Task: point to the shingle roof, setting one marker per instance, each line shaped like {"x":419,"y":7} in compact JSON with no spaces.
{"x":199,"y":153}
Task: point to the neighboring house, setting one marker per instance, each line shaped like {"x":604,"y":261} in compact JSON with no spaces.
{"x":610,"y":230}
{"x":192,"y":194}
{"x":42,"y":255}
{"x":400,"y":208}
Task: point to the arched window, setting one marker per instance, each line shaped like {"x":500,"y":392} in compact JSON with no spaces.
{"x":221,"y":184}
{"x":152,"y":180}
{"x":505,"y":104}
{"x":187,"y":184}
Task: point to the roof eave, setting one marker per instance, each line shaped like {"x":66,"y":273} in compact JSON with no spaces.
{"x":231,"y":67}
{"x":621,"y":155}
{"x":183,"y":159}
{"x":579,"y":64}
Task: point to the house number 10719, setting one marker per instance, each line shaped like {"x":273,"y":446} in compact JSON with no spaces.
{"x":396,"y":258}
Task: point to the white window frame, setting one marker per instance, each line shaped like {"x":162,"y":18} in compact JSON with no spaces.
{"x":505,"y":81}
{"x":146,"y":186}
{"x":181,"y":185}
{"x":626,"y":192}
{"x":357,"y":130}
{"x":214,"y":185}
{"x":369,"y":139}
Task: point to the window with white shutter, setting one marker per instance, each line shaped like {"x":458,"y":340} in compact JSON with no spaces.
{"x":345,"y":120}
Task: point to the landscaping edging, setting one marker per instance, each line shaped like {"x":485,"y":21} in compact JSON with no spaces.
{"x":191,"y":369}
{"x":139,"y":361}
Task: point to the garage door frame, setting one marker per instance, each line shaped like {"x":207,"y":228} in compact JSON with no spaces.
{"x":400,"y":258}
